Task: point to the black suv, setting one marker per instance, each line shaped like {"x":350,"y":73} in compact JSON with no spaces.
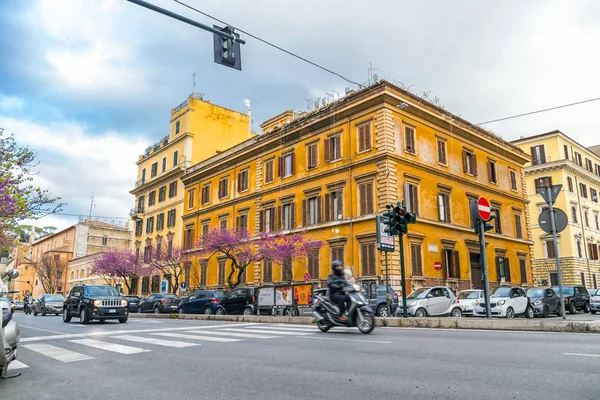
{"x":577,"y":298}
{"x":89,"y":302}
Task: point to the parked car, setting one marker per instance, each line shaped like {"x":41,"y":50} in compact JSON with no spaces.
{"x":19,"y":305}
{"x":544,"y":301}
{"x":432,"y":301}
{"x":89,"y":302}
{"x":378,"y":301}
{"x":132,"y":303}
{"x":201,"y":302}
{"x":241,"y":300}
{"x":48,"y":304}
{"x":468,"y":298}
{"x":594,"y":300}
{"x":576,"y":297}
{"x":159,"y":303}
{"x":507,"y":302}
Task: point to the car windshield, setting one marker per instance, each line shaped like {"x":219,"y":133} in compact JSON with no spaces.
{"x":132,"y":298}
{"x":566,"y":290}
{"x":418,"y":294}
{"x":535,"y":292}
{"x":218,"y":293}
{"x":54,"y":297}
{"x":171,"y":297}
{"x":468,"y":295}
{"x":594,"y":292}
{"x":502,"y":292}
{"x":101,"y":291}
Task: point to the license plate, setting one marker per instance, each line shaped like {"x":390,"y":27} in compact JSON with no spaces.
{"x":173,"y":306}
{"x":483,"y":310}
{"x":112,"y":311}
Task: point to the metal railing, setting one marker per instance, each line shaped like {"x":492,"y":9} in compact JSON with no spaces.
{"x":136,"y":210}
{"x":182,"y":163}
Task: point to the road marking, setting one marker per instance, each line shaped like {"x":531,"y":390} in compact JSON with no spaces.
{"x":39,"y":329}
{"x":158,"y":342}
{"x":271,"y":332}
{"x":346,"y":340}
{"x":116,"y":348}
{"x":289,"y":328}
{"x":199,"y":337}
{"x":581,"y":355}
{"x":78,"y":326}
{"x":312,"y":328}
{"x":16,"y":364}
{"x":221,"y":333}
{"x":149,"y":321}
{"x":57,"y":353}
{"x":106,"y":333}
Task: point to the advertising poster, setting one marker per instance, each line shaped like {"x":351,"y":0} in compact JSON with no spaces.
{"x":283,"y":296}
{"x":303,"y":295}
{"x":266,"y":296}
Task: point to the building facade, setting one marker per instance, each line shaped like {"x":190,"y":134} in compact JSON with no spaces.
{"x":327,"y":173}
{"x":198,"y":130}
{"x":556,"y":159}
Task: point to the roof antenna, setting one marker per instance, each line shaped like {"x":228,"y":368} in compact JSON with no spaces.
{"x":193,"y":82}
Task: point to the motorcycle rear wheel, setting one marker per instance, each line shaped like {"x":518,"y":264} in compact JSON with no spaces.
{"x":323,"y":326}
{"x":367,"y":324}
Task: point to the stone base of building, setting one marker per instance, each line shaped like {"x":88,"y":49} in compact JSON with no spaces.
{"x":575,"y":271}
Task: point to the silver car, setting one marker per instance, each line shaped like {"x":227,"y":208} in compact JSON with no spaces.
{"x":468,"y":298}
{"x":432,"y":301}
{"x":594,"y":300}
{"x":48,"y":304}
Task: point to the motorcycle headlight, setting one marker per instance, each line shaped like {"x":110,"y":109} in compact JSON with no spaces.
{"x":538,"y":302}
{"x":97,"y":303}
{"x":501,"y":302}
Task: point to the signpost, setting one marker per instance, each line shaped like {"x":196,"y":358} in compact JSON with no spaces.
{"x":385,"y":243}
{"x":183,"y":285}
{"x":484,"y":209}
{"x":481,"y":212}
{"x":437,"y":266}
{"x":164,"y":286}
{"x":307,"y":277}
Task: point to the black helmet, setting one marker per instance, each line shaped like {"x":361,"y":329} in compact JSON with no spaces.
{"x":336,"y":263}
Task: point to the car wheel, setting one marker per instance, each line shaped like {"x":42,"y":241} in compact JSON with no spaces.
{"x":510,"y":313}
{"x":421,"y":313}
{"x":207,"y":311}
{"x":546,"y":312}
{"x":382,"y":311}
{"x":586,"y":307}
{"x":84,"y":318}
{"x":156,"y":310}
{"x":529,"y":312}
{"x":457,"y":312}
{"x":43,"y":312}
{"x":66,"y":316}
{"x":248,"y":311}
{"x":123,"y":320}
{"x":593,"y":312}
{"x":35,"y":313}
{"x":220,"y":311}
{"x":572,"y":309}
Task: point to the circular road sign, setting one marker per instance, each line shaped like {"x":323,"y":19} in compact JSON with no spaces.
{"x":484,"y":209}
{"x":545,"y":222}
{"x":307,"y":277}
{"x":183,"y":285}
{"x":437,"y":265}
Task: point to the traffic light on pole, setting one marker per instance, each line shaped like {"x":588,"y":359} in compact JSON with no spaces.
{"x":227,"y":50}
{"x":388,"y":221}
{"x":399,"y":219}
{"x":488,"y":226}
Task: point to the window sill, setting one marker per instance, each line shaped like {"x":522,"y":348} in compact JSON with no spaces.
{"x":243,"y":191}
{"x":336,"y":160}
{"x":514,"y":190}
{"x":364,"y":151}
{"x":412,"y":153}
{"x":224,"y":198}
{"x":269,"y":182}
{"x":442,"y":164}
{"x":313,"y":167}
{"x":493,"y":183}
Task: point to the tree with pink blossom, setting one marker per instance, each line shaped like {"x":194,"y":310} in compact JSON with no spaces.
{"x":171,"y":261}
{"x":242,"y":250}
{"x":120,"y":263}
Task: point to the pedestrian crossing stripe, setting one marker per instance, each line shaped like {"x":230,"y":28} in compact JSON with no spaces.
{"x":115,"y":348}
{"x":272,"y":332}
{"x":57,"y":353}
{"x":16,"y":364}
{"x":232,"y":334}
{"x":196,"y":337}
{"x":158,"y":342}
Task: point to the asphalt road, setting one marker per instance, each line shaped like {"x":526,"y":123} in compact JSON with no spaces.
{"x":173,"y":359}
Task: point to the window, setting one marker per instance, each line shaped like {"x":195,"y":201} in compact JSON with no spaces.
{"x":337,"y":253}
{"x":152,"y":198}
{"x":594,"y":195}
{"x":597,"y":221}
{"x":416,"y":260}
{"x":597,"y":169}
{"x":518,"y":226}
{"x":550,"y":249}
{"x":586,"y":217}
{"x":269,"y":171}
{"x":593,"y":251}
{"x":191,"y":198}
{"x":570,"y":184}
{"x":162,"y":194}
{"x":333,"y":206}
{"x":176,"y":158}
{"x":553,"y":278}
{"x":409,"y":140}
{"x":583,"y":190}
{"x":172,"y":189}
{"x":224,"y":187}
{"x":312,"y":155}
{"x":566,"y":149}
{"x":171,"y":218}
{"x":469,"y":162}
{"x":164,"y":164}
{"x":140,"y":207}
{"x":267,"y":220}
{"x":223,"y":222}
{"x":582,"y":276}
{"x":154,"y":170}
{"x":160,"y":222}
{"x":313,"y":263}
{"x":188,"y":238}
{"x":497,"y":220}
{"x":543,"y":182}
{"x":523,"y":270}
{"x":502,"y":269}
{"x":203,"y":272}
{"x":138,"y":227}
{"x":578,"y":159}
{"x":588,"y":165}
{"x":155,"y":283}
{"x":205,"y":229}
{"x":143,"y":175}
{"x":267,"y":271}
{"x":104,"y":241}
{"x":287,"y":213}
{"x":150,"y":225}
{"x":450,"y":263}
{"x":364,"y":137}
{"x":311,"y":211}
{"x":492,"y":171}
{"x":286,"y":165}
{"x":177,"y":125}
{"x":574,"y":214}
{"x":368,"y":259}
{"x":441,"y":151}
{"x":206,"y":194}
{"x":221,"y":273}
{"x":513,"y":180}
{"x":366,"y":198}
{"x":444,"y":207}
{"x":241,"y":222}
{"x":243,"y":181}
{"x":538,"y":155}
{"x":333,"y":148}
{"x":411,"y":198}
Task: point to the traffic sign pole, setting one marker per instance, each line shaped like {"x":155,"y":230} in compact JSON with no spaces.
{"x":404,"y":308}
{"x":387,"y":287}
{"x":556,"y":250}
{"x":486,"y":283}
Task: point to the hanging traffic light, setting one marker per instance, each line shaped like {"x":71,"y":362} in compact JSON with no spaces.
{"x":226,"y":50}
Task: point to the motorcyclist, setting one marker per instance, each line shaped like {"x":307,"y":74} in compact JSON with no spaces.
{"x":336,"y":283}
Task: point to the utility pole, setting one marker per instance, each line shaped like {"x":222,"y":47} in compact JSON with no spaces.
{"x":556,"y":249}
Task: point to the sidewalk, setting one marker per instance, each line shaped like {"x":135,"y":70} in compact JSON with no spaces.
{"x":537,"y":324}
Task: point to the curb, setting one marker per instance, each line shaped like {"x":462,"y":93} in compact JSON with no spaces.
{"x":433,"y":323}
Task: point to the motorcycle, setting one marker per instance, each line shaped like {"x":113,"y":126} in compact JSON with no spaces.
{"x":9,"y":334}
{"x":360,"y":314}
{"x":27,"y":306}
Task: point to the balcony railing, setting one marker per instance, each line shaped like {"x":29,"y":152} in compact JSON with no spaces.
{"x":136,"y":210}
{"x":182,"y":164}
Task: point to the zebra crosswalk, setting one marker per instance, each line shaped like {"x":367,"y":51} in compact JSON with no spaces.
{"x":133,"y":343}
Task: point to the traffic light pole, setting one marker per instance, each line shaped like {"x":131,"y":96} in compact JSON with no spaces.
{"x":556,"y":252}
{"x":404,"y":308}
{"x":387,"y":286}
{"x":484,"y":270}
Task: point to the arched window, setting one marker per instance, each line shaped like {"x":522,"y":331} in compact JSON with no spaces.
{"x":72,"y":275}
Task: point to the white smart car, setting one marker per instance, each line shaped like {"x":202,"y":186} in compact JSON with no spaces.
{"x":506,"y":302}
{"x":468,"y":298}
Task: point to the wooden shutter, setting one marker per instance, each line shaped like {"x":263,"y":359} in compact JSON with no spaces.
{"x":262,"y":221}
{"x":534,"y":160}
{"x":237,"y":223}
{"x":293,"y":163}
{"x":369,"y":195}
{"x":340,"y":199}
{"x":304,"y":212}
{"x":474,"y":164}
{"x":444,"y":263}
{"x":497,"y":269}
{"x":364,"y":251}
{"x":455,"y":265}
{"x":566,"y":152}
{"x":280,"y":220}
{"x":507,"y":269}
{"x":543,"y":154}
{"x":570,"y":183}
{"x":338,"y":147}
{"x":327,"y":150}
{"x":362,"y":198}
{"x":293,"y":216}
{"x":280,"y":167}
{"x":464,"y":159}
{"x":239,"y":182}
{"x":319,"y":209}
{"x":309,"y":155}
{"x":367,"y":136}
{"x":372,"y":260}
{"x":328,"y":207}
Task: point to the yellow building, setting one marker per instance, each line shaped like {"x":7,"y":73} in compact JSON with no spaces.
{"x":198,"y":130}
{"x":558,"y":159}
{"x":327,"y":173}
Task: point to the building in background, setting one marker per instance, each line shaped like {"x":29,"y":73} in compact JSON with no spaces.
{"x":328,"y":172}
{"x":198,"y":130}
{"x":556,"y":159}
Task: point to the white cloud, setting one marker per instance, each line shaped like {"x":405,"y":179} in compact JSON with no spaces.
{"x":10,"y":103}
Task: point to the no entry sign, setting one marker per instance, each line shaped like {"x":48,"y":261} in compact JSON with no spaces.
{"x":437,"y":265}
{"x":484,"y":209}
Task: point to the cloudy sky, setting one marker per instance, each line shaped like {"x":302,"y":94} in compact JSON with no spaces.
{"x":89,"y":84}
